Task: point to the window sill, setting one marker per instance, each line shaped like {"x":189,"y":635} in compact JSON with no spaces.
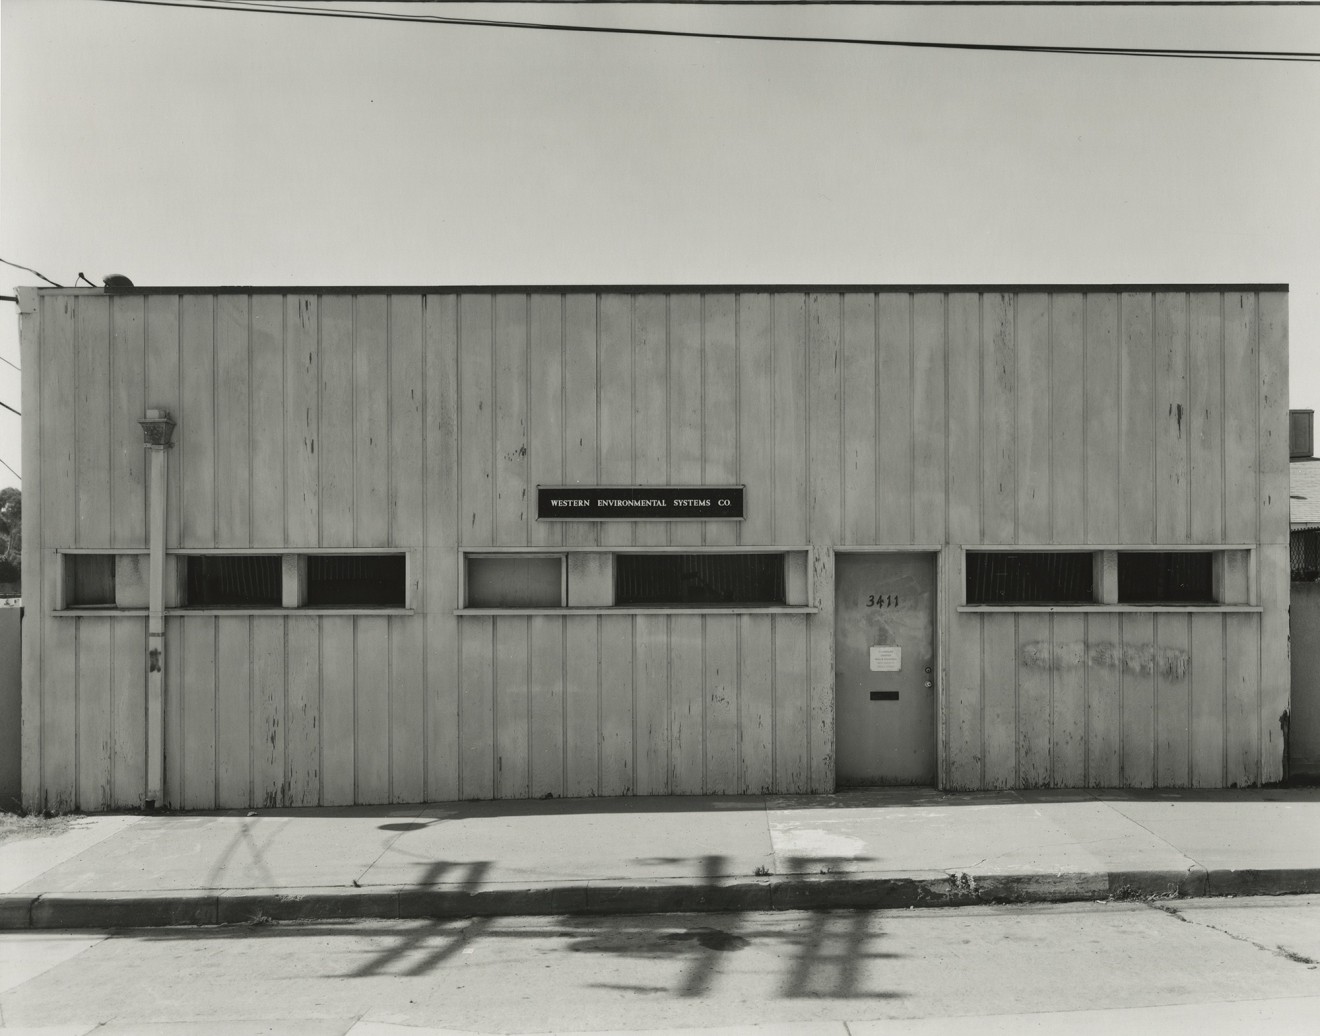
{"x":748,"y":609}
{"x":1121,"y":608}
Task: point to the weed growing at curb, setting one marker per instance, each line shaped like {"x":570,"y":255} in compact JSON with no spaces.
{"x":1130,"y":894}
{"x":32,"y":825}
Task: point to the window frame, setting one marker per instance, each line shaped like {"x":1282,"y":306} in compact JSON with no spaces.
{"x":293,"y":582}
{"x":1235,"y":588}
{"x":799,"y":580}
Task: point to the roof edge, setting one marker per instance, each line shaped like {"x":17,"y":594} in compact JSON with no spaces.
{"x":658,"y":288}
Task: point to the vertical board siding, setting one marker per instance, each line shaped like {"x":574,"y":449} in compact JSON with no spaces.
{"x":439,"y":559}
{"x":1103,"y":411}
{"x":1173,"y":419}
{"x":1272,"y":568}
{"x":1033,"y":432}
{"x":233,"y":712}
{"x":859,"y":414}
{"x":509,"y":392}
{"x":128,"y":503}
{"x":372,"y":700}
{"x":546,"y":715}
{"x":129,"y":708}
{"x":893,"y":422}
{"x":195,"y":439}
{"x":825,"y":520}
{"x":195,"y":703}
{"x":57,"y":716}
{"x":302,"y":730}
{"x":266,"y":491}
{"x":583,"y":739}
{"x":302,"y":416}
{"x":335,"y":460}
{"x":1207,"y":418}
{"x":961,"y":671}
{"x":854,"y":419}
{"x":929,"y":418}
{"x":233,"y":422}
{"x":1136,"y":425}
{"x":759,"y":471}
{"x":93,"y":706}
{"x":268,"y":716}
{"x":407,"y":520}
{"x":32,"y":355}
{"x":1067,"y":403}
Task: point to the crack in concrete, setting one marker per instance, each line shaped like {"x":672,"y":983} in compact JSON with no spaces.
{"x":357,"y":882}
{"x":1276,"y":950}
{"x":1165,"y":841}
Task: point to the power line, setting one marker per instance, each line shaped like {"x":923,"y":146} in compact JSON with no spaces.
{"x":9,"y":408}
{"x":889,"y":3}
{"x":12,"y":364}
{"x":30,"y":270}
{"x":1151,"y":52}
{"x":11,"y":470}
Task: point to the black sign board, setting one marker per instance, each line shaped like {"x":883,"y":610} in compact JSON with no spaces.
{"x":638,"y":503}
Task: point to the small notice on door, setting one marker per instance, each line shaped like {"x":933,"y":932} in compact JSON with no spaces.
{"x":886,"y":659}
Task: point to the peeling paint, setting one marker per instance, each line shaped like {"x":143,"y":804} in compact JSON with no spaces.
{"x":1142,"y":659}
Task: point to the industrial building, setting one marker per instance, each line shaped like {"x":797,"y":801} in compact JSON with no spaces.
{"x":332,"y":546}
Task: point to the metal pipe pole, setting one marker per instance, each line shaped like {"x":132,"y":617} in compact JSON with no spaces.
{"x":157,"y":430}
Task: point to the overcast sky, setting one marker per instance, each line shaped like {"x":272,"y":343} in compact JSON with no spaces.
{"x":218,"y":147}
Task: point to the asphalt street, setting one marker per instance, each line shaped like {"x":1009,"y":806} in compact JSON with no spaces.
{"x":1234,"y":965}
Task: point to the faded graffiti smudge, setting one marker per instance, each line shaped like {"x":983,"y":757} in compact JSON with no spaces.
{"x":1141,"y":659}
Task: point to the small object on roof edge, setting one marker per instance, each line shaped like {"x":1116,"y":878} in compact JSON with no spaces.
{"x":116,"y":280}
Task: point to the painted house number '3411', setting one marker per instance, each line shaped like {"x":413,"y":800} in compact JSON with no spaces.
{"x":882,"y":601}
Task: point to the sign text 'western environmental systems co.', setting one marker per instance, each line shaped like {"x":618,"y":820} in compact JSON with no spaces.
{"x":638,"y":503}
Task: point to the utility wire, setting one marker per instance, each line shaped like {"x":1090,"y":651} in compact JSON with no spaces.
{"x":9,"y":408}
{"x":1153,"y":52}
{"x":11,"y":363}
{"x":11,"y":470}
{"x":30,"y":270}
{"x":890,"y":3}
{"x":754,"y":4}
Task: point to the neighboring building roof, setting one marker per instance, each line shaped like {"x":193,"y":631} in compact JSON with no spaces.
{"x":1304,"y":490}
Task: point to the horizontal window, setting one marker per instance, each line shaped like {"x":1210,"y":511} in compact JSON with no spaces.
{"x":717,"y":579}
{"x":1165,"y":577}
{"x":1036,"y":577}
{"x":89,"y":581}
{"x":259,"y":580}
{"x":1137,"y":578}
{"x":602,"y":580}
{"x":229,"y":581}
{"x":515,"y":581}
{"x":356,"y":580}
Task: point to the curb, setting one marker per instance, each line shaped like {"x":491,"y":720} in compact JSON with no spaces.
{"x":101,"y":910}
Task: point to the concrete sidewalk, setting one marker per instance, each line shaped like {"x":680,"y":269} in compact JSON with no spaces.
{"x":876,"y":848}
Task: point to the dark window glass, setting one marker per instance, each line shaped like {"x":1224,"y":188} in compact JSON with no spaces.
{"x":346,"y":580}
{"x":515,"y":581}
{"x":1165,"y":577}
{"x":1035,"y":577}
{"x":1304,"y":555}
{"x":698,"y":579}
{"x":245,"y":580}
{"x":90,"y":580}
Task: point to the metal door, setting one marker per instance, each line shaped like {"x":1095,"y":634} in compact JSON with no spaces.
{"x":884,"y":668}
